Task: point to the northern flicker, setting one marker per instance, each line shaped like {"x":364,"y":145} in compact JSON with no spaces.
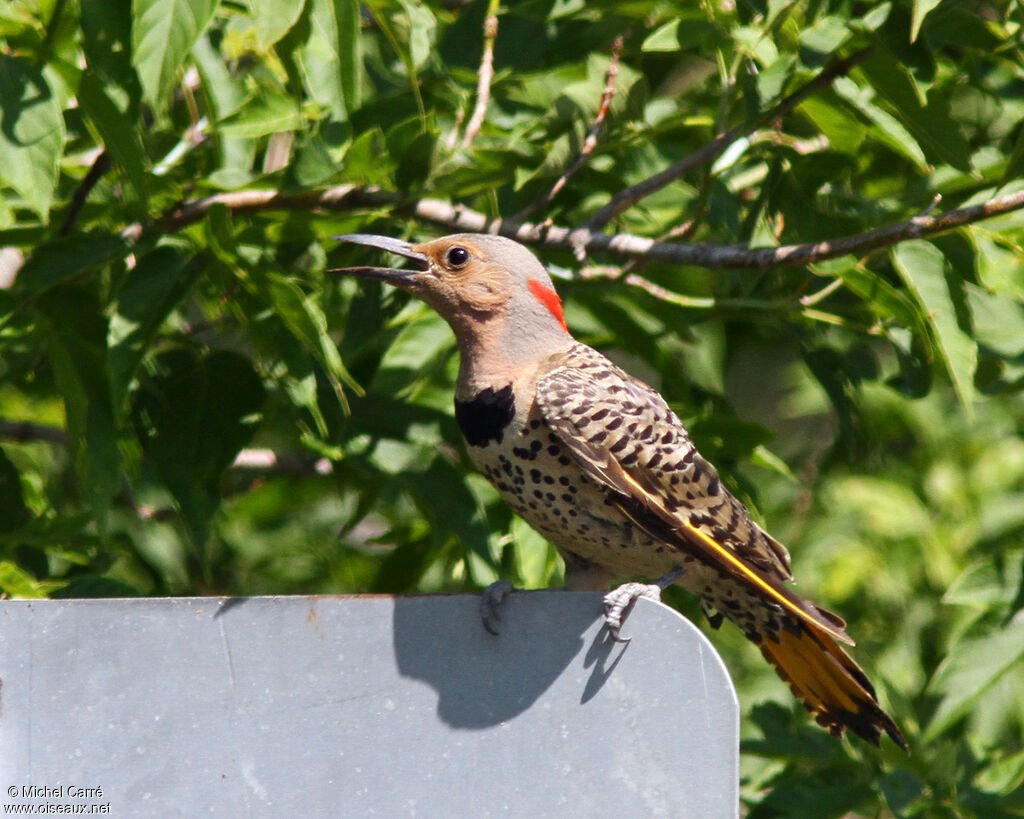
{"x":597,"y":462}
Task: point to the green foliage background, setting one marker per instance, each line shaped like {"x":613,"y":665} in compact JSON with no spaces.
{"x":869,"y":409}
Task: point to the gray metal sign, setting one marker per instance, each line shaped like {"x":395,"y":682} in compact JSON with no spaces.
{"x":360,"y":707}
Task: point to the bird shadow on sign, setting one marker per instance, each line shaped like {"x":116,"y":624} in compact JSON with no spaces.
{"x":483,"y":680}
{"x":597,"y":656}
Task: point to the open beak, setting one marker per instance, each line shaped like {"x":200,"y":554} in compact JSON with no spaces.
{"x":392,"y":275}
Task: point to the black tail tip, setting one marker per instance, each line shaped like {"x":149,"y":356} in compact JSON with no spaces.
{"x":897,"y":736}
{"x":868,"y":725}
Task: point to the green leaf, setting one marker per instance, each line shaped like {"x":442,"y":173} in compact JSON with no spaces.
{"x":442,"y":497}
{"x":107,"y":43}
{"x":844,"y":133}
{"x":884,"y":299}
{"x":16,"y":582}
{"x":77,"y":331}
{"x":121,"y":139}
{"x":973,"y":666}
{"x":32,"y":136}
{"x":888,"y":129}
{"x":13,"y":512}
{"x":771,"y":82}
{"x":535,"y":558}
{"x":304,"y":316}
{"x":193,"y":417}
{"x":921,"y":9}
{"x":923,"y":268}
{"x":417,"y":28}
{"x":998,"y":321}
{"x":424,"y":339}
{"x":988,"y":584}
{"x":764,"y":457}
{"x":274,"y":19}
{"x":827,"y":35}
{"x":271,"y":112}
{"x":927,"y":117}
{"x":884,"y":508}
{"x":1015,"y":161}
{"x":411,"y":144}
{"x":332,"y":58}
{"x":683,"y":34}
{"x":64,"y":259}
{"x":147,"y":295}
{"x":367,"y":160}
{"x":312,"y":165}
{"x":225,"y":96}
{"x":163,"y":33}
{"x":1000,"y":267}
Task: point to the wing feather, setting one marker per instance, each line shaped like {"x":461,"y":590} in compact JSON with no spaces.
{"x":627,"y":439}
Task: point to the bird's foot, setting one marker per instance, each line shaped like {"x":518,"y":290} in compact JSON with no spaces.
{"x":619,"y":600}
{"x":490,"y":604}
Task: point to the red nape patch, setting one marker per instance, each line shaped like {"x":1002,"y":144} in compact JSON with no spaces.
{"x":549,"y":298}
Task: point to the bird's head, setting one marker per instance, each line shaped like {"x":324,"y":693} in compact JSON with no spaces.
{"x":491,"y":290}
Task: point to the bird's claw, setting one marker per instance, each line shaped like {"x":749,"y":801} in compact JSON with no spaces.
{"x":490,"y":604}
{"x":619,"y":600}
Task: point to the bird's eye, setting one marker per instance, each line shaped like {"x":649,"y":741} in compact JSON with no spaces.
{"x":456,"y":256}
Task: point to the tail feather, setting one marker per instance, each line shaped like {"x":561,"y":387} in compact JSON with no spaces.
{"x":828,"y":682}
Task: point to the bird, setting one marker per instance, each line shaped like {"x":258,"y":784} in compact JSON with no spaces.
{"x":598,"y":463}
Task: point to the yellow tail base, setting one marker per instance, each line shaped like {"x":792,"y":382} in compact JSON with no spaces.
{"x":828,"y":682}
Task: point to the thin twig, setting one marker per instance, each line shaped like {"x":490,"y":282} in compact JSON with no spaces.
{"x":453,"y":137}
{"x":486,"y":74}
{"x":709,"y":302}
{"x":683,"y":231}
{"x":103,"y":163}
{"x":262,"y":460}
{"x":590,"y":143}
{"x":26,"y":431}
{"x":711,"y":151}
{"x":195,"y":135}
{"x":821,"y":295}
{"x":456,"y":218}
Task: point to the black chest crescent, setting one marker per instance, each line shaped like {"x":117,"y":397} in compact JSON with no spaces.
{"x":484,"y":418}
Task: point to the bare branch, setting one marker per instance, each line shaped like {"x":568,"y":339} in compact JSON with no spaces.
{"x":711,"y":151}
{"x":26,"y":431}
{"x":456,"y":218}
{"x":343,"y":197}
{"x":453,"y":137}
{"x":626,"y":245}
{"x":266,"y":460}
{"x":821,"y":295}
{"x":590,"y":142}
{"x":486,"y":74}
{"x":800,"y":307}
{"x":103,"y":163}
{"x":195,"y":135}
{"x":261,"y":460}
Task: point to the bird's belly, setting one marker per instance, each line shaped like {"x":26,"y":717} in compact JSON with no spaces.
{"x":546,"y":487}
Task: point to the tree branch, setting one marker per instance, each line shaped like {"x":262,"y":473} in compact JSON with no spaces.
{"x":711,"y":151}
{"x":456,"y":218}
{"x":26,"y":431}
{"x":103,"y":163}
{"x":486,"y":74}
{"x":591,"y":141}
{"x":259,"y":460}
